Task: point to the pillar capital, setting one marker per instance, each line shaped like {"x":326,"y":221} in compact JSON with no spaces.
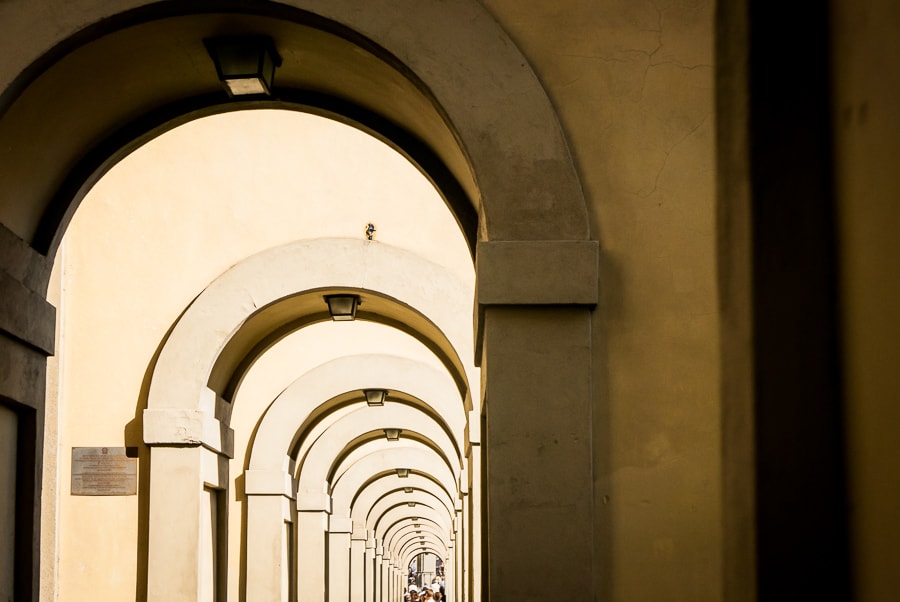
{"x":313,"y":501}
{"x":187,"y":428}
{"x":534,"y":273}
{"x":268,"y":482}
{"x":360,"y":533}
{"x":473,"y":428}
{"x":338,"y":524}
{"x":537,"y":272}
{"x":26,"y":315}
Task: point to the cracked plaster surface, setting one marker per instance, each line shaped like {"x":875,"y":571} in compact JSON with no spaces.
{"x":633,"y":85}
{"x":652,"y":106}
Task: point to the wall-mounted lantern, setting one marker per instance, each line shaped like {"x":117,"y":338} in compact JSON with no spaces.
{"x":245,"y":65}
{"x":342,"y":307}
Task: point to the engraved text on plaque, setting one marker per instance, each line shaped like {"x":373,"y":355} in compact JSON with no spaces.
{"x":103,"y":471}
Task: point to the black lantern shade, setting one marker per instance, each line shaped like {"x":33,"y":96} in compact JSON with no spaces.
{"x":375,"y":397}
{"x":245,"y":65}
{"x":342,"y":307}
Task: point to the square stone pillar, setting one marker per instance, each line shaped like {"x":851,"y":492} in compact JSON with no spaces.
{"x":338,"y":569}
{"x":534,"y":337}
{"x":385,"y":570}
{"x":538,"y":406}
{"x":173,"y":562}
{"x":468,"y":582}
{"x":312,"y":525}
{"x":377,"y":575}
{"x":27,"y":338}
{"x":264,"y":548}
{"x":357,"y":566}
{"x":395,"y":593}
{"x":450,"y":577}
{"x":189,"y":450}
{"x":269,"y":499}
{"x":369,"y":571}
{"x":392,"y":589}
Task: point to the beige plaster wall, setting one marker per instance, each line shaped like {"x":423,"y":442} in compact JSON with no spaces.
{"x":867,"y":134}
{"x":50,"y":485}
{"x":633,"y":85}
{"x":150,"y":236}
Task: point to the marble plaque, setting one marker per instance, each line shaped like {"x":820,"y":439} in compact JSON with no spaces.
{"x":103,"y":471}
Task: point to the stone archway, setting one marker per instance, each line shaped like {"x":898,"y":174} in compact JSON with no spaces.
{"x":471,"y":106}
{"x":483,"y":130}
{"x":187,"y":420}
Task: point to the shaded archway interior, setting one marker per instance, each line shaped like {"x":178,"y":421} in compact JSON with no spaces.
{"x":147,"y":71}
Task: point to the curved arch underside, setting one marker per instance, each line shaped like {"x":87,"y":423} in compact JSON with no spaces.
{"x":126,"y":77}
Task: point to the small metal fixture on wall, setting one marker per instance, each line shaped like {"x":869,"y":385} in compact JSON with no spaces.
{"x":245,"y":65}
{"x":375,"y":397}
{"x":342,"y":308}
{"x":370,"y":231}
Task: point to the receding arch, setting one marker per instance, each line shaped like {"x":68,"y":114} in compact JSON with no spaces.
{"x":421,"y":498}
{"x":272,"y":322}
{"x":316,"y":467}
{"x":413,"y":546}
{"x":278,"y":428}
{"x":406,"y":533}
{"x":357,"y":496}
{"x":416,"y":457}
{"x":430,"y":543}
{"x":389,"y":521}
{"x":386,"y":520}
{"x":195,"y":344}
